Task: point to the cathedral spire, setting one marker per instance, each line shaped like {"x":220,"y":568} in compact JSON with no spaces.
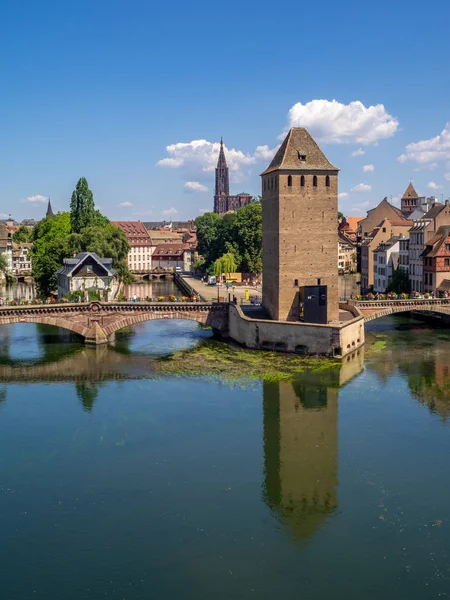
{"x":222,"y":161}
{"x":49,"y":212}
{"x":222,"y":189}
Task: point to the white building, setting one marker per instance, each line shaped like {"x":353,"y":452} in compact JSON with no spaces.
{"x":87,"y":272}
{"x":403,"y":257}
{"x":21,"y":259}
{"x":6,"y":247}
{"x":140,"y":253}
{"x":385,"y":261}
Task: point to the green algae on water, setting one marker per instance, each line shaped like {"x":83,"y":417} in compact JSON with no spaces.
{"x":233,"y":363}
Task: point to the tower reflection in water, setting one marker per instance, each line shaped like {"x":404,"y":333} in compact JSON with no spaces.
{"x":301,"y":448}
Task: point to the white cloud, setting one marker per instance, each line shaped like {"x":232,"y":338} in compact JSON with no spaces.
{"x":38,"y":199}
{"x":429,"y":167}
{"x":169,"y":212}
{"x":358,"y":152}
{"x":395,"y":200}
{"x":429,"y":151}
{"x":198,"y":159}
{"x":343,"y":195}
{"x":337,"y":123}
{"x":195,"y":186}
{"x":125,"y":204}
{"x":361,"y":187}
{"x":368,"y":169}
{"x":447,"y":176}
{"x":432,"y":185}
{"x":265,"y":153}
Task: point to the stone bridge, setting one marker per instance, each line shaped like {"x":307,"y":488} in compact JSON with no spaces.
{"x":374,"y":309}
{"x":96,"y":321}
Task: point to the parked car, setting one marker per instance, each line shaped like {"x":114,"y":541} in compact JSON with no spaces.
{"x":212,"y":280}
{"x":178,"y":270}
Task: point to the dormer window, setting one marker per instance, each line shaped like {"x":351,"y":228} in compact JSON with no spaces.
{"x":301,"y":156}
{"x":89,"y":268}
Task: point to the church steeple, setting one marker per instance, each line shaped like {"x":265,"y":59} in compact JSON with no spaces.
{"x":49,"y":212}
{"x":222,"y":179}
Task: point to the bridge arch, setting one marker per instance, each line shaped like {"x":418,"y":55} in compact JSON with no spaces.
{"x":135,"y":318}
{"x":61,"y":322}
{"x":372,"y":313}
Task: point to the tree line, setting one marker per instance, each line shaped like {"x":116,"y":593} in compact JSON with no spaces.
{"x":232,"y":241}
{"x":83,"y":229}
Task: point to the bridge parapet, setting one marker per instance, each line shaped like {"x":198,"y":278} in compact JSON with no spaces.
{"x":374,"y":309}
{"x":96,"y":321}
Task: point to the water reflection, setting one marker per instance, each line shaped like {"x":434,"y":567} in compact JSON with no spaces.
{"x":18,"y":291}
{"x":300,"y":453}
{"x":409,"y":347}
{"x":152,"y":289}
{"x":87,"y":393}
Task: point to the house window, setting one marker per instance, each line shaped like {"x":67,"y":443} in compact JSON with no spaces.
{"x":89,"y":268}
{"x":447,"y":262}
{"x":384,"y":229}
{"x":315,"y":181}
{"x":447,"y":247}
{"x":295,"y":282}
{"x":289,"y":181}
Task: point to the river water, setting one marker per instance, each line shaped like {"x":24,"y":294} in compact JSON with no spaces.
{"x":134,"y":472}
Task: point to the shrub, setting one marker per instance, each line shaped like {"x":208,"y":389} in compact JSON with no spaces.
{"x":161,"y":298}
{"x":404,"y":296}
{"x":382,"y":297}
{"x":172,"y":298}
{"x":392,"y":296}
{"x":427,"y":295}
{"x":358,"y":297}
{"x":370,"y":296}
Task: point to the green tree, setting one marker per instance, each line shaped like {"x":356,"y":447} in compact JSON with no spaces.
{"x":3,"y":264}
{"x":399,"y":282}
{"x":248,"y":237}
{"x":82,"y":207}
{"x":225,"y":265}
{"x":50,"y":247}
{"x":21,"y":235}
{"x":340,"y":215}
{"x":106,"y":241}
{"x":207,"y":233}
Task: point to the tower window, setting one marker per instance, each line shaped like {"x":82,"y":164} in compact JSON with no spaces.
{"x":289,"y":180}
{"x":264,"y":184}
{"x":271,"y":183}
{"x":300,"y":155}
{"x":315,"y":181}
{"x":276,"y":182}
{"x":302,"y":181}
{"x":327,"y":181}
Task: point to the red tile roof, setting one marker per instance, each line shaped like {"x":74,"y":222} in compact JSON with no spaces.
{"x":135,"y":231}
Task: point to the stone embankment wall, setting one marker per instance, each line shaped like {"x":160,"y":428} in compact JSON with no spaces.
{"x":337,"y":339}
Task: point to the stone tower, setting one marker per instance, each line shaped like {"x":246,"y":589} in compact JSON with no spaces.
{"x":410,"y":201}
{"x":300,"y":240}
{"x":222,"y":189}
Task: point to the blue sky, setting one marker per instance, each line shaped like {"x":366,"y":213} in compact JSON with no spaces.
{"x":135,"y":96}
